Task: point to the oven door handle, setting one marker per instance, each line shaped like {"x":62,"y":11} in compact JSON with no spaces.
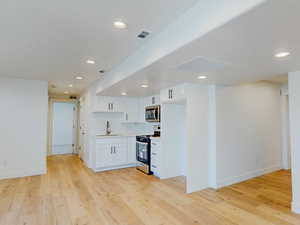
{"x":142,"y":143}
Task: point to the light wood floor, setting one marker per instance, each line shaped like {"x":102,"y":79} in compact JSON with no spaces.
{"x":71,"y":194}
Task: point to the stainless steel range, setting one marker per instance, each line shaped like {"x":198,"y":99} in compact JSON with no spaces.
{"x":143,"y":154}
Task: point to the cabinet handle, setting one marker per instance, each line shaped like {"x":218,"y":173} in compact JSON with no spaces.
{"x":115,"y":149}
{"x":112,"y":106}
{"x":111,"y":149}
{"x":108,"y":106}
{"x":126,"y":116}
{"x":154,"y":166}
{"x":171,"y":93}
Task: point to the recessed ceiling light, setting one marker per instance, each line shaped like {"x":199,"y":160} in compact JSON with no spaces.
{"x":90,"y":61}
{"x":78,"y":78}
{"x":144,"y":85}
{"x":124,"y":93}
{"x":202,"y":77}
{"x":282,"y":54}
{"x":70,"y":85}
{"x":120,"y":24}
{"x":66,"y":92}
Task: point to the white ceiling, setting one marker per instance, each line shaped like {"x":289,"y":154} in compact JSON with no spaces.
{"x":246,"y":46}
{"x":51,"y":40}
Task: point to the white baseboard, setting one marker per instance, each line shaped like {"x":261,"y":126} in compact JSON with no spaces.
{"x":21,"y":173}
{"x":237,"y":179}
{"x":195,"y":189}
{"x":114,"y":168}
{"x":296,"y":207}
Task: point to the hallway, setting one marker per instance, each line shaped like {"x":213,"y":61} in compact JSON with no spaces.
{"x":70,"y":194}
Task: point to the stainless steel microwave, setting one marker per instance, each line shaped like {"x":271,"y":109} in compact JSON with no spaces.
{"x":152,"y":113}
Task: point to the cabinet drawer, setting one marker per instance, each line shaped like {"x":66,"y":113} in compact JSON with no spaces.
{"x":154,"y":169}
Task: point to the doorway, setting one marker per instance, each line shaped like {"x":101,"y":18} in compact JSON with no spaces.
{"x":63,"y":128}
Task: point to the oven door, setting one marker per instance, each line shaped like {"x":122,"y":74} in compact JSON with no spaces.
{"x":142,"y":152}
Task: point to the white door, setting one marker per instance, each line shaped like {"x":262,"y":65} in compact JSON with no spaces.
{"x":63,"y":128}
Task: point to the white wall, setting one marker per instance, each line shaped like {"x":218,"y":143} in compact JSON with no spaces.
{"x":248,"y":131}
{"x":23,"y":119}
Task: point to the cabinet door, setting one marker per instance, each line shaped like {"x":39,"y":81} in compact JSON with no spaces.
{"x":148,"y":101}
{"x":156,"y":99}
{"x":165,"y":95}
{"x":131,"y":110}
{"x":119,"y":154}
{"x":152,"y":100}
{"x":142,"y":106}
{"x":131,"y":149}
{"x":155,"y":158}
{"x":178,"y":93}
{"x":104,"y":155}
{"x":173,"y":94}
{"x":102,"y":104}
{"x":117,"y":104}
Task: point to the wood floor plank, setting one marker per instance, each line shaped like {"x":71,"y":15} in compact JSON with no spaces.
{"x":71,"y":194}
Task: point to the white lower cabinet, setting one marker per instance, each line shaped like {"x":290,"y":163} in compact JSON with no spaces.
{"x":155,"y":157}
{"x":114,"y":152}
{"x":131,"y":146}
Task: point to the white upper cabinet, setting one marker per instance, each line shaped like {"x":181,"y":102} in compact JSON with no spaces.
{"x":108,"y":104}
{"x":117,"y":104}
{"x":152,"y":100}
{"x":173,"y":94}
{"x":101,"y":104}
{"x":131,"y":110}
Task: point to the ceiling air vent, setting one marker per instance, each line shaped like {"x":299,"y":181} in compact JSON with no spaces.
{"x":143,"y":35}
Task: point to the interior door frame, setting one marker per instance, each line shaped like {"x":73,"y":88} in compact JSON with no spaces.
{"x":50,"y":122}
{"x":285,"y":130}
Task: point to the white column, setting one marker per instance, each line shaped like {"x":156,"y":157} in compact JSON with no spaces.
{"x":294,"y":100}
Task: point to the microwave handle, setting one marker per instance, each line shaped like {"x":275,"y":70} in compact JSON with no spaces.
{"x":158,"y":114}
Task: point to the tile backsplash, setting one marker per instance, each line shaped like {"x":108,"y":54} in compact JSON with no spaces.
{"x":117,"y":127}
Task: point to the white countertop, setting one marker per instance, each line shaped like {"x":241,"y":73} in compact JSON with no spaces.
{"x":114,"y":135}
{"x":122,"y":135}
{"x":155,"y":138}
